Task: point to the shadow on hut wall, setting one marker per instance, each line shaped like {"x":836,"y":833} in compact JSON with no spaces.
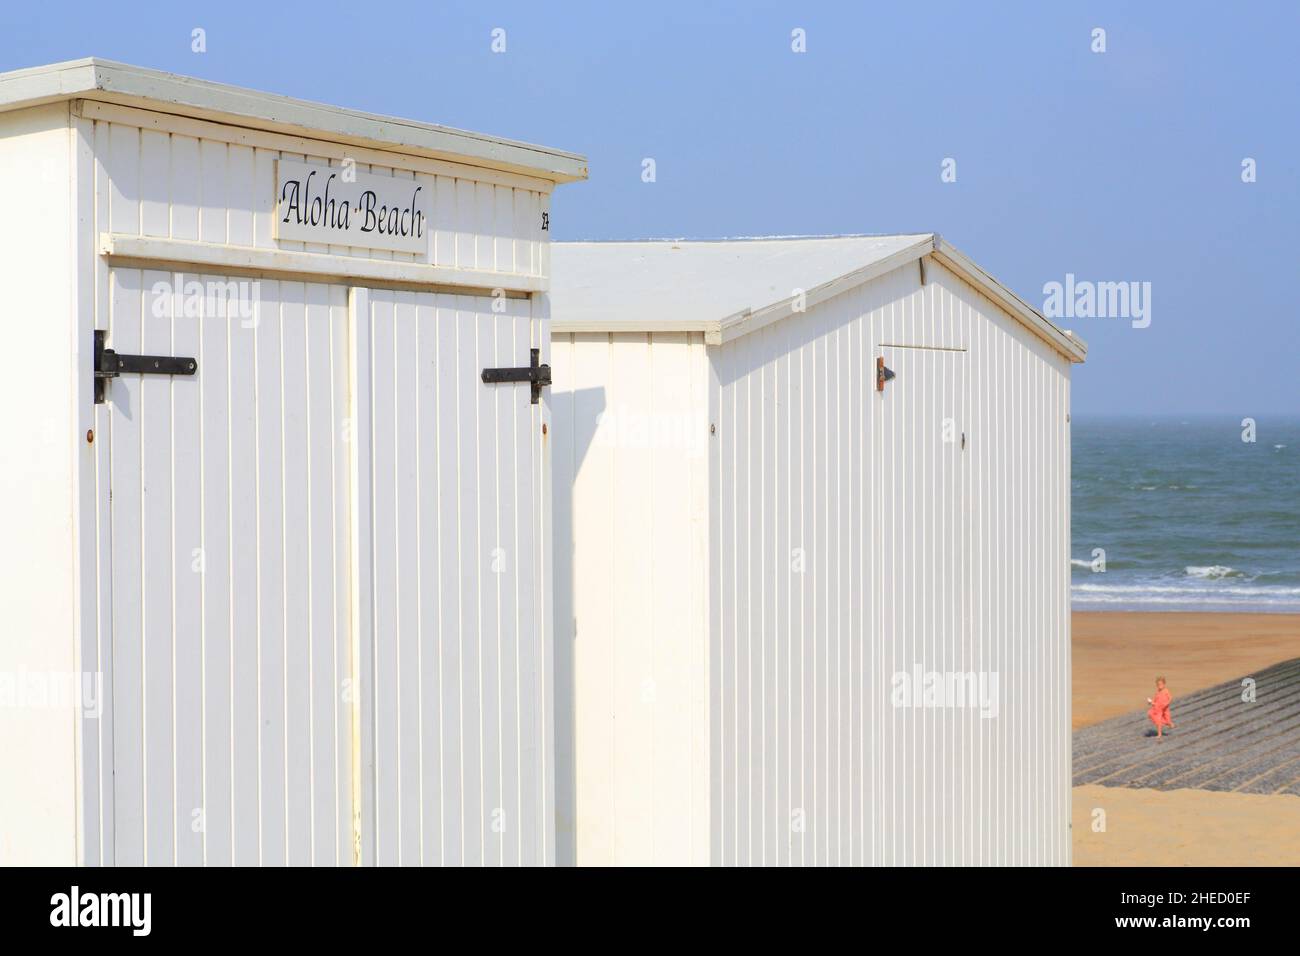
{"x":575,"y":418}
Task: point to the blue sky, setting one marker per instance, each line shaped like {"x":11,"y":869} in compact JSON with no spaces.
{"x":1118,"y":166}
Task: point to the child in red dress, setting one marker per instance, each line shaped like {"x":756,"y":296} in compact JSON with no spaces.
{"x":1159,"y":712}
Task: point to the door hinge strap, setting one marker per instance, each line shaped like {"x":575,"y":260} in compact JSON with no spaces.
{"x":111,"y":364}
{"x":537,"y":374}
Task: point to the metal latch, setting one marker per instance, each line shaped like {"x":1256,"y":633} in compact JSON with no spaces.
{"x":111,"y":364}
{"x":883,"y":374}
{"x":538,"y":375}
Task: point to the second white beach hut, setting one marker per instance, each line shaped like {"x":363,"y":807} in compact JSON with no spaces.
{"x":812,"y":534}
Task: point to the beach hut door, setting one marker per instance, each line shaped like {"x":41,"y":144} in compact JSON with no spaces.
{"x":920,"y":572}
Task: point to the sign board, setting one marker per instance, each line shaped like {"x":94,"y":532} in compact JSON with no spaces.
{"x":342,"y":207}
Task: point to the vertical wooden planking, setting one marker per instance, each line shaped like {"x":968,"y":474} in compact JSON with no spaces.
{"x":593,"y":644}
{"x":220,"y":191}
{"x":272,"y":493}
{"x":465,"y":225}
{"x":640,"y":678}
{"x":404,"y":375}
{"x":783,"y":587}
{"x":766,"y":577}
{"x":503,"y":236}
{"x":542,"y":587}
{"x":632,"y":415}
{"x":123,"y":186}
{"x":743,"y":633}
{"x":215,"y":416}
{"x":544,"y":234}
{"x":805,"y":541}
{"x":872,"y":680}
{"x":361,"y":573}
{"x":470,"y":480}
{"x":188,"y":567}
{"x":184,"y":187}
{"x":485,"y":226}
{"x":154,"y":418}
{"x":127,"y":558}
{"x":321,"y":498}
{"x":524,"y":218}
{"x":213,"y":190}
{"x":564,"y":461}
{"x":676,"y":446}
{"x":856,"y":398}
{"x":452,"y":636}
{"x":96,"y":146}
{"x":514,"y":428}
{"x":246,"y":193}
{"x":847,"y":532}
{"x":723,"y":671}
{"x":262,"y":198}
{"x":444,"y":216}
{"x":491,"y":556}
{"x":231,"y":299}
{"x":260,"y":677}
{"x":1065,"y":678}
{"x":430,"y":583}
{"x":298,"y":623}
{"x":155,"y":169}
{"x":386,"y":641}
{"x":346,"y":674}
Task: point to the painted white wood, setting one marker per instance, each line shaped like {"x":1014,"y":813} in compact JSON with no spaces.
{"x":630,"y":532}
{"x":847,"y":536}
{"x":314,"y":577}
{"x":263,"y":140}
{"x":226,"y":726}
{"x":128,"y":85}
{"x":205,"y":184}
{"x":537,"y":674}
{"x":312,"y":264}
{"x":453,"y":736}
{"x":733,"y":287}
{"x":323,"y":204}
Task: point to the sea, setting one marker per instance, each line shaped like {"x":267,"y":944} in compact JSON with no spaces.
{"x":1182,"y":514}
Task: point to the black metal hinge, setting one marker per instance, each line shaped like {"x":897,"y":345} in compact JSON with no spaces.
{"x":111,"y":364}
{"x":538,"y":375}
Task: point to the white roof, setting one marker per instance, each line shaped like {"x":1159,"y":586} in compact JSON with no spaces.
{"x":727,"y":288}
{"x":108,"y":82}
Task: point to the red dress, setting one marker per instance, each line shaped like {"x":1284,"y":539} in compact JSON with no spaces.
{"x":1159,"y":712}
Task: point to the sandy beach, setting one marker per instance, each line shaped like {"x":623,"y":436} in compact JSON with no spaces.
{"x":1185,"y":828}
{"x":1117,"y":654}
{"x":1116,"y":658}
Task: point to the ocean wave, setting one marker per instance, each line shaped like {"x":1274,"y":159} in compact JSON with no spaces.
{"x":1188,"y":589}
{"x":1192,"y":595}
{"x":1256,"y":605}
{"x":1211,"y":571}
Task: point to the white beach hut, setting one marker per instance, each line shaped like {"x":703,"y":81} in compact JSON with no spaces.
{"x":276,"y":574}
{"x":812,"y":533}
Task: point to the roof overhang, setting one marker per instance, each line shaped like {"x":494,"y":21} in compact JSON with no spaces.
{"x":727,"y":328}
{"x":119,"y":83}
{"x":1063,"y":340}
